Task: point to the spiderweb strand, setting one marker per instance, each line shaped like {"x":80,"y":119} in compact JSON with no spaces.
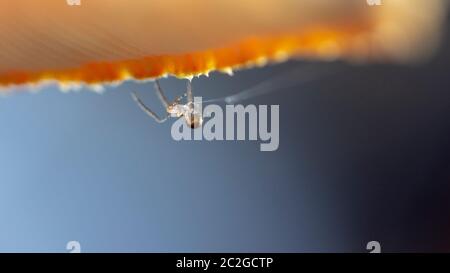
{"x":284,"y":80}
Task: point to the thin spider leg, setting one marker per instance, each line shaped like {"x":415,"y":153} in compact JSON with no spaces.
{"x":161,"y":95}
{"x":190,"y":97}
{"x":147,"y":110}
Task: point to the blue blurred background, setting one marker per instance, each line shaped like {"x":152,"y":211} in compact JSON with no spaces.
{"x":364,"y":155}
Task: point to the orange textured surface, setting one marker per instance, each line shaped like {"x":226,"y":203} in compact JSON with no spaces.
{"x":109,"y":41}
{"x":252,"y":51}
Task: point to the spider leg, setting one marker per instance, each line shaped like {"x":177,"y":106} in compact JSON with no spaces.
{"x":190,"y":97}
{"x":147,"y":110}
{"x":161,"y":95}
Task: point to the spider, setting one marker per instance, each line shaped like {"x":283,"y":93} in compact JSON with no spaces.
{"x":191,"y":114}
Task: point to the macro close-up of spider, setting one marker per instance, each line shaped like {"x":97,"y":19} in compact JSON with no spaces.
{"x":276,"y":126}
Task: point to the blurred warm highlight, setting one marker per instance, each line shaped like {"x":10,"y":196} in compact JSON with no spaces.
{"x":108,"y":41}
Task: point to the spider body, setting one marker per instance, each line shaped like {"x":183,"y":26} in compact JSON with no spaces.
{"x":192,"y":116}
